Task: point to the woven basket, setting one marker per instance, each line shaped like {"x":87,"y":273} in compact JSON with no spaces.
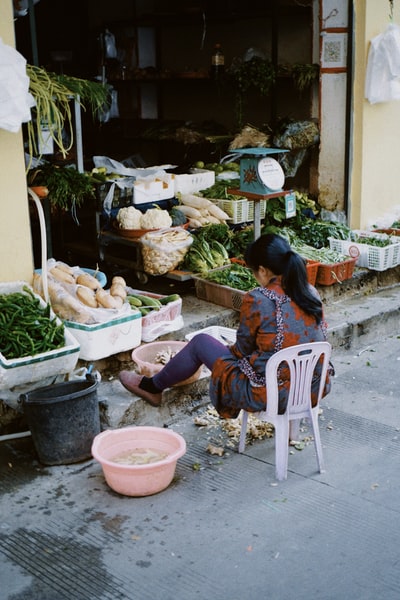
{"x":312,"y":270}
{"x":336,"y":272}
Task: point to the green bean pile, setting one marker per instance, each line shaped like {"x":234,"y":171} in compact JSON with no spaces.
{"x":26,"y":327}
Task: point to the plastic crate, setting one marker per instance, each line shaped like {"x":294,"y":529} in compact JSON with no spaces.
{"x":312,"y":270}
{"x":369,"y":256}
{"x":241,"y":210}
{"x":121,"y":196}
{"x":29,"y":369}
{"x":159,"y":322}
{"x":226,"y":335}
{"x":328,"y":274}
{"x":222,"y":295}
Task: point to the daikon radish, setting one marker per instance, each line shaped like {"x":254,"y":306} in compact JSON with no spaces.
{"x":195,"y":223}
{"x":190,"y":211}
{"x":205,"y":221}
{"x":217,"y":212}
{"x":204,"y":212}
{"x":195,"y":201}
{"x":211,"y":219}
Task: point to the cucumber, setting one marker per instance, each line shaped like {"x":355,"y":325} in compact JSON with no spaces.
{"x":170,"y":298}
{"x":147,"y":300}
{"x":133,"y":301}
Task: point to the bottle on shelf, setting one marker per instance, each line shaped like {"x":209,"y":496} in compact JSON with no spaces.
{"x":217,"y":62}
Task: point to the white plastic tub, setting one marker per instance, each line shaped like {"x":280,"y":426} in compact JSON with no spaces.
{"x":101,"y":340}
{"x":29,"y":369}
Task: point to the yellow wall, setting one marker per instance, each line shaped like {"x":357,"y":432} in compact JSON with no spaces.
{"x":16,"y":261}
{"x":374,"y":163}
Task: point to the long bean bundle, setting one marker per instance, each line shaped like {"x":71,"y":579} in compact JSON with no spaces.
{"x":26,"y":326}
{"x":53,"y":94}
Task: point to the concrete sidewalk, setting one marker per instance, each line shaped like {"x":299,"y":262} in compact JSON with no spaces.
{"x":224,"y":529}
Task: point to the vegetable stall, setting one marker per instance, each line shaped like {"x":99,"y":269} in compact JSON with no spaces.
{"x":199,"y":233}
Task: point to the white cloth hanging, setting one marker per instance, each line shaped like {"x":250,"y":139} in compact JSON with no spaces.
{"x":15,"y":98}
{"x":382,"y":82}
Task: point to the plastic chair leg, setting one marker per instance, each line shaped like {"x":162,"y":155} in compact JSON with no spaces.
{"x":317,"y":439}
{"x":281,"y":447}
{"x":243,"y":430}
{"x":294,"y":429}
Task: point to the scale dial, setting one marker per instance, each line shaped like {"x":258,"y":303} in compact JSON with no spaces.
{"x":271,"y":173}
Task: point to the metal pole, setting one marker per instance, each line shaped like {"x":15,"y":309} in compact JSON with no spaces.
{"x":32,"y":24}
{"x":78,"y":134}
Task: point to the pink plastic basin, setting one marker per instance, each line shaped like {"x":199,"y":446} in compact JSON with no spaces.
{"x":144,"y":356}
{"x":138,"y":480}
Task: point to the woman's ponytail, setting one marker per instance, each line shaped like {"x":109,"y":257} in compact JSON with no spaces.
{"x":274,"y":253}
{"x":295,"y":283}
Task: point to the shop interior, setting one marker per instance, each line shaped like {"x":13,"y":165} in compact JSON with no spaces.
{"x":168,"y":105}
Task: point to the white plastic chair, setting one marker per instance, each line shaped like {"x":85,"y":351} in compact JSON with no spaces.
{"x":301,"y":360}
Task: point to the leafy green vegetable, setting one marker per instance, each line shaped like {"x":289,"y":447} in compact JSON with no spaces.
{"x":379,"y":242}
{"x":234,"y":276}
{"x":220,"y":232}
{"x":177,"y":216}
{"x":68,"y":188}
{"x":203,"y":255}
{"x":240,"y":240}
{"x":317,"y":233}
{"x":220,"y":190}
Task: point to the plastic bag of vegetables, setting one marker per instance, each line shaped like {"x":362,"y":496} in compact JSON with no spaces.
{"x":163,"y":250}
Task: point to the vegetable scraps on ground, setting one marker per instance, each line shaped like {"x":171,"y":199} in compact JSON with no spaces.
{"x":27,"y":327}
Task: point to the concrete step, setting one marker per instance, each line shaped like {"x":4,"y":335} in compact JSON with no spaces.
{"x":358,"y":311}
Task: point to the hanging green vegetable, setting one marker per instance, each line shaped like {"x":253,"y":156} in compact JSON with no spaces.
{"x":53,"y":94}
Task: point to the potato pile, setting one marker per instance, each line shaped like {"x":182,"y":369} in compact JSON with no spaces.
{"x":88,"y":289}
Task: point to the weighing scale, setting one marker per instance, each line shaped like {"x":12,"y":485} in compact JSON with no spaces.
{"x":262,"y":178}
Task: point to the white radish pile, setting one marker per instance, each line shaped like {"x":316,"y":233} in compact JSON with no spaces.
{"x":201,"y":211}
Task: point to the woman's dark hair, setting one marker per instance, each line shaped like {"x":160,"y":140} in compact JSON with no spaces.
{"x":274,"y":253}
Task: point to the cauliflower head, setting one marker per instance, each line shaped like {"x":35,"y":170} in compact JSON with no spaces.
{"x":129,"y":217}
{"x":155,"y":218}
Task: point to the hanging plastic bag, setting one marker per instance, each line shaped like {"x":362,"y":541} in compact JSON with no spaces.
{"x":15,"y":98}
{"x":110,"y":48}
{"x":382,"y":82}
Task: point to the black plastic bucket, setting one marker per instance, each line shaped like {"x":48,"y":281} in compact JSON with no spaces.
{"x":63,"y":419}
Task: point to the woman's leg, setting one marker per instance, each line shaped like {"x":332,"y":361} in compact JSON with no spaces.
{"x":203,"y":349}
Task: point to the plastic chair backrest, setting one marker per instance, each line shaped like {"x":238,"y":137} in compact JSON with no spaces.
{"x":302,"y":360}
